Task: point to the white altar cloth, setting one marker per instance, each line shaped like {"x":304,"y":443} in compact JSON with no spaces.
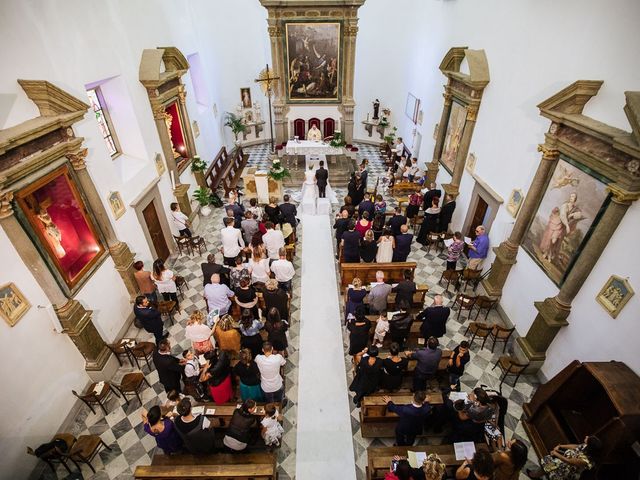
{"x":308,"y":147}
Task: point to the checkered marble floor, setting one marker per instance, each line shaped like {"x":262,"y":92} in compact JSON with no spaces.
{"x":122,"y":428}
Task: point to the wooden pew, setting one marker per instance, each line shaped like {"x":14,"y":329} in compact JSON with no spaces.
{"x":223,"y":466}
{"x":393,"y":272}
{"x":377,"y":422}
{"x":214,"y":174}
{"x":233,"y":172}
{"x":379,"y":458}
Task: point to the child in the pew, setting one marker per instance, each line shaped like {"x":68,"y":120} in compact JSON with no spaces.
{"x":271,"y":430}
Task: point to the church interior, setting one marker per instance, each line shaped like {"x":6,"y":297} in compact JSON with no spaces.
{"x":201,"y":201}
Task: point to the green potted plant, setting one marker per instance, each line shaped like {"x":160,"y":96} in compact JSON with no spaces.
{"x":203,"y":196}
{"x":338,"y":140}
{"x":391,"y":136}
{"x":234,"y":122}
{"x":198,"y":167}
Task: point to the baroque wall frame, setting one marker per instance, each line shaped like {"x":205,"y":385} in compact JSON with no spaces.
{"x":615,"y":294}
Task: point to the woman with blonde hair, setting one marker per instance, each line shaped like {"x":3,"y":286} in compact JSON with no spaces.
{"x":433,"y":467}
{"x":199,"y":333}
{"x":259,"y":266}
{"x":355,"y":297}
{"x":226,"y":336}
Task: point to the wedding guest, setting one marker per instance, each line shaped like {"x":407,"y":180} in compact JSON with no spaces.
{"x":239,"y":272}
{"x":271,"y":381}
{"x":145,"y":283}
{"x":150,"y":318}
{"x":341,"y":225}
{"x":180,"y":220}
{"x":260,"y":271}
{"x":359,"y":327}
{"x":249,"y":376}
{"x":479,"y":249}
{"x":415,"y":201}
{"x":403,"y":245}
{"x":368,"y":247}
{"x":380,"y":207}
{"x":454,"y":250}
{"x":247,"y":298}
{"x":226,"y":336}
{"x":411,"y":417}
{"x":379,"y":294}
{"x":272,"y":211}
{"x":249,"y":227}
{"x":568,"y":461}
{"x":195,"y":431}
{"x":217,"y":295}
{"x":405,"y":289}
{"x":199,"y":333}
{"x":509,"y":462}
{"x":350,"y":244}
{"x":459,"y":358}
{"x":481,"y":467}
{"x":162,"y":429}
{"x":377,"y":226}
{"x":430,"y":221}
{"x":400,"y":323}
{"x":250,"y":329}
{"x":434,"y":319}
{"x":394,"y":367}
{"x":273,"y":240}
{"x":239,"y":432}
{"x":396,"y":221}
{"x":386,"y":244}
{"x":367,"y":206}
{"x":218,"y":376}
{"x":169,"y":368}
{"x":165,"y":280}
{"x":283,"y":270}
{"x":355,"y":297}
{"x":255,"y":209}
{"x":363,"y":225}
{"x":276,"y":297}
{"x":367,"y":377}
{"x":232,"y":242}
{"x":211,"y":267}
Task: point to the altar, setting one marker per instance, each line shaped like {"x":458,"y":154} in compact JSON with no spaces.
{"x":309,"y":147}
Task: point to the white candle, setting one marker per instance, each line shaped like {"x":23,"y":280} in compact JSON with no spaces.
{"x":173,"y":180}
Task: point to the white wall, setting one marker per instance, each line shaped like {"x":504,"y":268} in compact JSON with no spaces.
{"x":74,"y":45}
{"x":534,"y":49}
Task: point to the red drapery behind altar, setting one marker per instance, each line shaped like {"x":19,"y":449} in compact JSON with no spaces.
{"x":177,"y":135}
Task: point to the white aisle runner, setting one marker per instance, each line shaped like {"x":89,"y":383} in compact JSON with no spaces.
{"x":324,"y":440}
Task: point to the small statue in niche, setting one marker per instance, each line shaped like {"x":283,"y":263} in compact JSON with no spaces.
{"x":53,"y":233}
{"x":256,"y":108}
{"x":248,"y":116}
{"x":376,"y":109}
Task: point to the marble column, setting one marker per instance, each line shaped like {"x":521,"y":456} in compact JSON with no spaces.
{"x":508,"y":250}
{"x":120,"y":253}
{"x":349,"y":54}
{"x":186,"y":122}
{"x":181,"y":192}
{"x":553,"y":312}
{"x":453,"y":188}
{"x":75,"y":319}
{"x":165,"y":141}
{"x":434,"y":165}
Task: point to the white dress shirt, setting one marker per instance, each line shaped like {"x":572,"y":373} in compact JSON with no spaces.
{"x":399,"y":149}
{"x":283,"y":270}
{"x":232,"y":241}
{"x":274,"y":241}
{"x":269,"y":366}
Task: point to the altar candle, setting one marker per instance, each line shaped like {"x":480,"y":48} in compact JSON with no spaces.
{"x":173,"y":180}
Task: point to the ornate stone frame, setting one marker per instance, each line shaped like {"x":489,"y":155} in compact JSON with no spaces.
{"x":344,"y":11}
{"x":165,"y":87}
{"x":466,"y":90}
{"x":607,"y":151}
{"x":30,"y":150}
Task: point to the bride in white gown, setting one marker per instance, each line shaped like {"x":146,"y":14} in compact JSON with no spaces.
{"x":308,"y":195}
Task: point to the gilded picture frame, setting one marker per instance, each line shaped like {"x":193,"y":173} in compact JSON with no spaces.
{"x":313,"y":59}
{"x":615,"y":294}
{"x":515,"y":202}
{"x":116,"y":204}
{"x":453,"y":135}
{"x":13,"y":304}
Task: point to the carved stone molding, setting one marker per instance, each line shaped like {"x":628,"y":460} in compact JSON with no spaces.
{"x":77,"y":159}
{"x":6,"y":209}
{"x":622,"y":196}
{"x":548,"y":153}
{"x":472,"y":113}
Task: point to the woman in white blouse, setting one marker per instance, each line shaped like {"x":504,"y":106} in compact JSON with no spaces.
{"x":165,"y":280}
{"x":260,"y":270}
{"x":199,"y":333}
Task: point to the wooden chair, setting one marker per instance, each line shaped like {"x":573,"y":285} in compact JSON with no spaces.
{"x":470,"y":276}
{"x":500,"y":334}
{"x":85,"y":448}
{"x":484,"y":302}
{"x":90,"y":398}
{"x":451,"y":276}
{"x":480,"y":330}
{"x":198,"y":242}
{"x":433,"y":240}
{"x":509,"y":367}
{"x":56,"y":455}
{"x":142,"y":350}
{"x":464,"y":302}
{"x":181,"y":285}
{"x":131,"y":384}
{"x":119,"y":350}
{"x":183,"y":243}
{"x":167,"y":308}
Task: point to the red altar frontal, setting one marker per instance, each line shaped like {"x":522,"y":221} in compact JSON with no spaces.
{"x":57,"y":215}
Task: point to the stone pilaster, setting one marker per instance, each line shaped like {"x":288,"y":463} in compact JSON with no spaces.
{"x":508,"y":250}
{"x":434,"y":165}
{"x":75,"y":320}
{"x":463,"y":148}
{"x":553,"y":312}
{"x":181,"y":192}
{"x":120,"y":252}
{"x":165,"y":141}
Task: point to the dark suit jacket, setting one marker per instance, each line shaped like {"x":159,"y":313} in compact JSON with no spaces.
{"x":322,"y":176}
{"x":209,"y":269}
{"x":446,"y":212}
{"x":367,"y":206}
{"x":289,"y":212}
{"x":169,"y":370}
{"x":341,"y":226}
{"x":238,"y":213}
{"x":434,"y":321}
{"x":150,"y":317}
{"x":403,"y":247}
{"x":404,"y":291}
{"x":428,"y":197}
{"x":395,"y":223}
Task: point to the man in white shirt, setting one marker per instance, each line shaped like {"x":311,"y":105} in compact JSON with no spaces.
{"x":271,"y":381}
{"x":283,"y":270}
{"x":232,"y":242}
{"x":399,"y":150}
{"x":217,"y":295}
{"x":180,"y":220}
{"x":314,"y":134}
{"x":273,"y":240}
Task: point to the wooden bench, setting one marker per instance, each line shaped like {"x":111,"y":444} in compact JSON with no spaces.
{"x":224,"y":466}
{"x":393,"y":272}
{"x":233,"y":173}
{"x":214,"y":174}
{"x":379,"y":458}
{"x":377,"y":422}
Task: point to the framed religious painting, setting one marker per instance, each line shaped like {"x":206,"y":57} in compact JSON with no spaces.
{"x":13,"y":305}
{"x":615,"y":294}
{"x":570,"y":208}
{"x":411,"y":107}
{"x":312,"y":55}
{"x":245,"y":97}
{"x":116,"y":204}
{"x":55,"y":215}
{"x":453,"y":135}
{"x":515,"y":202}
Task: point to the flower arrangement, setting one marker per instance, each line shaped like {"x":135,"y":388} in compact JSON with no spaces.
{"x":338,"y":140}
{"x":277,"y":171}
{"x":198,"y":165}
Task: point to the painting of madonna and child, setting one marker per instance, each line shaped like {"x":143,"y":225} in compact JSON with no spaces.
{"x":313,"y":61}
{"x":569,"y":209}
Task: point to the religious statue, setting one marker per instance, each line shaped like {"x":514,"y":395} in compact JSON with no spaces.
{"x":376,"y":109}
{"x":53,"y":233}
{"x":256,"y":108}
{"x":168,"y":120}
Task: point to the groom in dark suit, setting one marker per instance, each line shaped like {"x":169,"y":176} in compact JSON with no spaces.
{"x":322,"y":175}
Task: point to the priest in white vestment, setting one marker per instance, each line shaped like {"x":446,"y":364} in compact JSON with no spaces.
{"x":314,"y":134}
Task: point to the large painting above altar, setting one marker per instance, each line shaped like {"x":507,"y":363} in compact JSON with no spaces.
{"x":312,"y":55}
